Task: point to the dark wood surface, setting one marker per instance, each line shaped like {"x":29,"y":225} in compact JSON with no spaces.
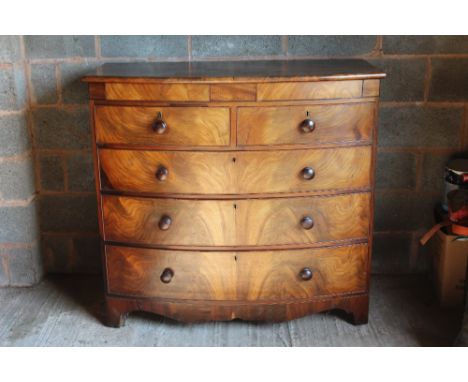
{"x":307,"y":70}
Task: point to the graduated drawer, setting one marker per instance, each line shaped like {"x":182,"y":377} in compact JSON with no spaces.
{"x":192,"y":172}
{"x":154,"y":126}
{"x":248,"y":276}
{"x":313,"y":125}
{"x":249,"y":222}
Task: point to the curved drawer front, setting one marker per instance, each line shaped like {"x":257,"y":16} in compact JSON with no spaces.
{"x":183,"y":126}
{"x":324,"y":124}
{"x":137,"y":220}
{"x":185,"y":172}
{"x":195,"y":275}
{"x":279,"y":221}
{"x":282,"y":275}
{"x":250,"y":276}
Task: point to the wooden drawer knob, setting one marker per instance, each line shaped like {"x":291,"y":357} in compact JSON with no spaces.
{"x":159,"y":126}
{"x":307,"y":222}
{"x":307,"y":125}
{"x":162,"y":173}
{"x":308,"y":173}
{"x":165,"y":222}
{"x":305,"y":274}
{"x":167,"y":275}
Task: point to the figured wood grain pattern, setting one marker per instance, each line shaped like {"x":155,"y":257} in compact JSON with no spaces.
{"x":186,"y":126}
{"x":275,"y":275}
{"x":191,"y":172}
{"x":230,"y":223}
{"x":277,"y":221}
{"x":197,"y":275}
{"x":135,"y":220}
{"x":233,"y":92}
{"x":236,"y":275}
{"x":334,"y":124}
{"x":157,"y":92}
{"x":281,"y":171}
{"x":308,"y":90}
{"x":188,"y":171}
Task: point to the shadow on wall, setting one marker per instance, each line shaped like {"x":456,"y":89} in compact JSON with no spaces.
{"x":64,"y":168}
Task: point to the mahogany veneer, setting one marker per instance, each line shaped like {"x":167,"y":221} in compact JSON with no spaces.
{"x":235,"y":189}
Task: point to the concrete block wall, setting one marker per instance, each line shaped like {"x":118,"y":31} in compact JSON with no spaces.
{"x":423,"y":122}
{"x":20,"y":261}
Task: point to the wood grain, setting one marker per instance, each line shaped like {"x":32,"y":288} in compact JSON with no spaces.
{"x":157,"y":92}
{"x":185,"y":125}
{"x":233,"y":92}
{"x":248,"y":276}
{"x":210,"y":173}
{"x":277,"y":221}
{"x":371,"y":88}
{"x":335,"y":124}
{"x":197,"y":311}
{"x":135,"y":220}
{"x":197,"y":275}
{"x":236,"y":223}
{"x":281,"y":171}
{"x":308,"y":90}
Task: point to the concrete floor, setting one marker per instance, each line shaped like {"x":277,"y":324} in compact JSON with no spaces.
{"x":66,"y":311}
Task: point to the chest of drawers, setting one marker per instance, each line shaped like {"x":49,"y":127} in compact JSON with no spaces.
{"x":235,"y":189}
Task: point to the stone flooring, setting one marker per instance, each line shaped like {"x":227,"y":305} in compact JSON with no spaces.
{"x":67,"y":311}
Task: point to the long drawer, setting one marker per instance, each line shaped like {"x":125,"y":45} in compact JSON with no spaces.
{"x":313,"y":125}
{"x":171,"y":126}
{"x":254,"y":276}
{"x":249,"y":222}
{"x":192,"y":172}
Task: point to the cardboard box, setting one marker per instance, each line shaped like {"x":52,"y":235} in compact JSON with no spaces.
{"x":449,"y":258}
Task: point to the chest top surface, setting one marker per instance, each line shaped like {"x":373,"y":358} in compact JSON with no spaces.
{"x":279,"y":70}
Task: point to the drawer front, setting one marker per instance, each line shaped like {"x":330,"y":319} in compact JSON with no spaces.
{"x":290,"y":91}
{"x":186,"y":172}
{"x":157,"y":92}
{"x":278,"y":275}
{"x":279,"y":221}
{"x":183,"y":172}
{"x":196,"y":275}
{"x":184,"y":126}
{"x":249,"y":276}
{"x":332,"y":124}
{"x":140,"y":220}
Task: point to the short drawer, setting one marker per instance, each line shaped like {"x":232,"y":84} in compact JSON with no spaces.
{"x":248,"y":276}
{"x":195,"y":172}
{"x":314,"y":125}
{"x":154,"y":126}
{"x":290,"y":91}
{"x":249,"y":222}
{"x":157,"y":92}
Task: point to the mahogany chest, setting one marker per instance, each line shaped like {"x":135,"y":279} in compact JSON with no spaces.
{"x":235,"y":189}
